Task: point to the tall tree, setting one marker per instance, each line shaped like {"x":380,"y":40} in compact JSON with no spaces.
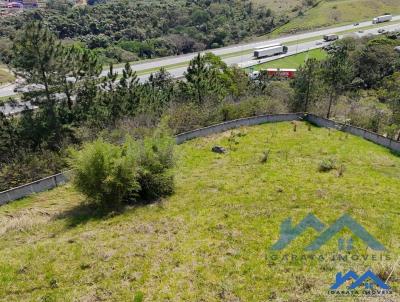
{"x":8,"y":138}
{"x":57,"y":73}
{"x":35,"y":58}
{"x":196,"y":76}
{"x":305,"y":84}
{"x":117,"y":97}
{"x":336,"y":74}
{"x":375,"y":61}
{"x":391,"y":94}
{"x":207,"y":77}
{"x":157,"y":93}
{"x":77,"y":66}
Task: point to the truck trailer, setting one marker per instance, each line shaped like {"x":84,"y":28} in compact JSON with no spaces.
{"x":270,"y":51}
{"x":267,"y":46}
{"x":283,"y":73}
{"x":277,"y":73}
{"x":381,"y":19}
{"x":332,"y":37}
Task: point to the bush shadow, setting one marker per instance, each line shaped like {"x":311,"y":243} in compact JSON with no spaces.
{"x":87,"y":212}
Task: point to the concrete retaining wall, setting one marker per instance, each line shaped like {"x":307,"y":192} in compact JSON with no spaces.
{"x":250,"y":121}
{"x":368,"y":135}
{"x":61,"y":178}
{"x":34,"y":187}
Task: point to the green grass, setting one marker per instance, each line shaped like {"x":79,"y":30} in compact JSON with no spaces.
{"x":293,"y":61}
{"x":209,"y":241}
{"x":5,"y":76}
{"x":5,"y":99}
{"x":338,"y":12}
{"x":280,"y":6}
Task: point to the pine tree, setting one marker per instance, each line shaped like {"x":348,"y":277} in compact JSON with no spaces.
{"x":305,"y":84}
{"x":336,"y":74}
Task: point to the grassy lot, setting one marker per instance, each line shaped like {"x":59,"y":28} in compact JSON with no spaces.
{"x":210,"y":240}
{"x":336,"y":12}
{"x":5,"y":76}
{"x":6,"y":99}
{"x":293,"y":61}
{"x":280,"y":6}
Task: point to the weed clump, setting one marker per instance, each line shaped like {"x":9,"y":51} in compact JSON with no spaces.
{"x":340,"y":170}
{"x":327,"y":165}
{"x":265,"y":156}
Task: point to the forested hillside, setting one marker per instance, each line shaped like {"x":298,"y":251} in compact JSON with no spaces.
{"x":129,"y":30}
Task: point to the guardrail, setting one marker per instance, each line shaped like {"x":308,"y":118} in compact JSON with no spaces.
{"x":61,"y":178}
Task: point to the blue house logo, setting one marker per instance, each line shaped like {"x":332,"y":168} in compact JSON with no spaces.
{"x":369,"y":280}
{"x":288,"y":233}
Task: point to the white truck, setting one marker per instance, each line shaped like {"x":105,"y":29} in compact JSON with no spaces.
{"x":381,"y":19}
{"x":332,"y":37}
{"x":270,"y":51}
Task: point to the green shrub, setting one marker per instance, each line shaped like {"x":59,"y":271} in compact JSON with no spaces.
{"x":249,"y":107}
{"x":139,"y":169}
{"x":105,"y":173}
{"x":186,"y":116}
{"x":155,"y":158}
{"x":26,"y":168}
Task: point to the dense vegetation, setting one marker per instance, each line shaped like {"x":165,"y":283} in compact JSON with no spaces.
{"x":121,"y":31}
{"x":358,"y":82}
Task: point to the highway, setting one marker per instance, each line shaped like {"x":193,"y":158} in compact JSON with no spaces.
{"x":243,"y":58}
{"x":250,"y":46}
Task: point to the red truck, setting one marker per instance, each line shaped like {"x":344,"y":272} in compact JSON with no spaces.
{"x":282,"y":72}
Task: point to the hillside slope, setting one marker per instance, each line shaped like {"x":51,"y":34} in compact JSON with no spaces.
{"x":335,"y":12}
{"x":209,"y":241}
{"x":281,"y":6}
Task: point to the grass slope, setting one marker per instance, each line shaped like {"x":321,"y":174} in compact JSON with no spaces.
{"x":5,"y":75}
{"x":335,"y":12}
{"x":209,"y":241}
{"x":279,"y":5}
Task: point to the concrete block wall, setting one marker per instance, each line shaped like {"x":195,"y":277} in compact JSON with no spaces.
{"x":368,"y":135}
{"x":250,"y":121}
{"x":38,"y":186}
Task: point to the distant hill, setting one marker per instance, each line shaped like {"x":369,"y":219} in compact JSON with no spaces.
{"x":335,"y":12}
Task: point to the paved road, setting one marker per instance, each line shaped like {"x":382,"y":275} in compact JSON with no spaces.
{"x":249,"y":46}
{"x":243,"y":60}
{"x":7,"y":90}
